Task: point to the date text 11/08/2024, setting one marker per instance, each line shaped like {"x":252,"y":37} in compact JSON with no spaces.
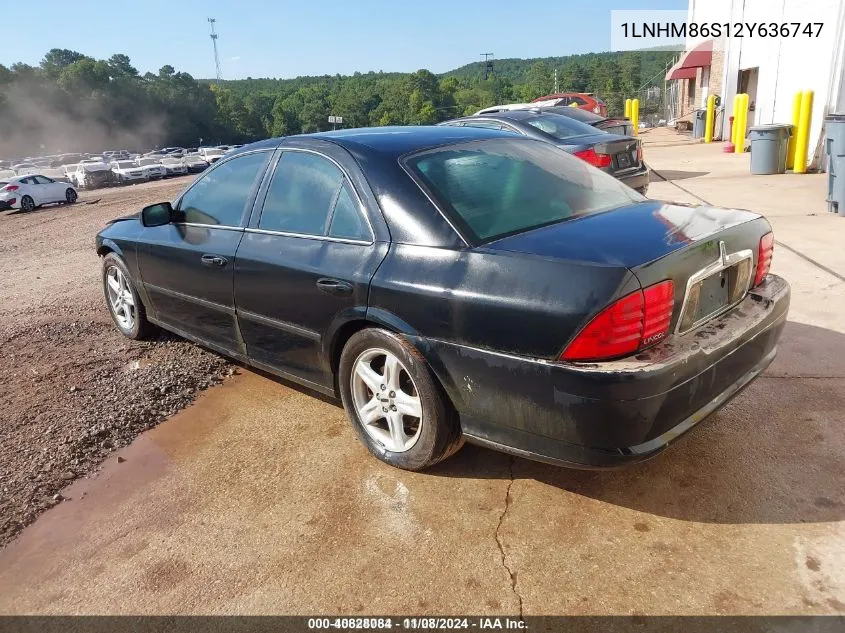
{"x":721,"y":29}
{"x":416,"y":623}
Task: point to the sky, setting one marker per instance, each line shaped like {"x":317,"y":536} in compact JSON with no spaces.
{"x":266,"y":38}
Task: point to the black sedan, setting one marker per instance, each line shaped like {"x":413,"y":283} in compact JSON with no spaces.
{"x":455,"y":283}
{"x":620,"y":156}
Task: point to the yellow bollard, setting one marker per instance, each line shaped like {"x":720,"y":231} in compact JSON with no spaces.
{"x":635,"y":116}
{"x":741,"y":122}
{"x":627,"y":108}
{"x":796,"y":115}
{"x":711,"y":119}
{"x":803,"y":136}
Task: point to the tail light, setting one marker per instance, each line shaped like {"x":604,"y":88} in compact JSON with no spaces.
{"x":597,"y":110}
{"x":764,"y":257}
{"x":11,"y":188}
{"x":632,"y":323}
{"x":640,"y":152}
{"x":594,"y":158}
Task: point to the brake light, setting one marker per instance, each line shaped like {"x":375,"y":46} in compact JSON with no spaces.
{"x":639,"y":152}
{"x":594,"y":158}
{"x":11,"y":188}
{"x":764,"y":257}
{"x":597,"y":110}
{"x":632,"y":323}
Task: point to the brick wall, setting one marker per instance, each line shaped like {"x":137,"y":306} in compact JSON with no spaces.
{"x":717,"y":73}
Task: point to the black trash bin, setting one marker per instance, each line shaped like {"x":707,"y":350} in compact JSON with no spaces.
{"x":769,"y":145}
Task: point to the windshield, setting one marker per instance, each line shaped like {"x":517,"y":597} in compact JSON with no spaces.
{"x":558,"y":126}
{"x":125,"y":164}
{"x":576,"y":113}
{"x":214,"y":152}
{"x":147,"y":161}
{"x":498,"y":187}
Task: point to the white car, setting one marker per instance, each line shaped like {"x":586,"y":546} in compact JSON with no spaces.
{"x":173,"y":166}
{"x":195,"y":163}
{"x":126,"y":171}
{"x":91,"y":174}
{"x":31,"y":191}
{"x":152,"y":166}
{"x":25,"y":169}
{"x":211,"y":154}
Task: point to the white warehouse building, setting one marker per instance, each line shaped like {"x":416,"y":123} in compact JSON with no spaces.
{"x":771,"y":70}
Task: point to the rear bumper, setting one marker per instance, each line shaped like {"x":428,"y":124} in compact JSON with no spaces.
{"x":603,"y":415}
{"x":636,"y":180}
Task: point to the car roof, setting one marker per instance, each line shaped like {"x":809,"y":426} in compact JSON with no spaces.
{"x":392,"y":141}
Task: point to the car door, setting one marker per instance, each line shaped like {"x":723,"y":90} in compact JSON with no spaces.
{"x":49,"y":190}
{"x":187,"y":266}
{"x":304,"y":265}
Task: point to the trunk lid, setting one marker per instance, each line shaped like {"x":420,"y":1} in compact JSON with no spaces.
{"x":621,"y":149}
{"x":658,"y":241}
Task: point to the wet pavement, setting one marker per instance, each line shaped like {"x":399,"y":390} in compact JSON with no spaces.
{"x":259,"y":499}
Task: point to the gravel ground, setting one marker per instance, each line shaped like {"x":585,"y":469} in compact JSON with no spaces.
{"x":74,"y":388}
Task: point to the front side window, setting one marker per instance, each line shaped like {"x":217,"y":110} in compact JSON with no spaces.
{"x":220,"y":196}
{"x":498,"y":187}
{"x":42,"y":180}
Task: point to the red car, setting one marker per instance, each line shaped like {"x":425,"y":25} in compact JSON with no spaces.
{"x":584,"y":100}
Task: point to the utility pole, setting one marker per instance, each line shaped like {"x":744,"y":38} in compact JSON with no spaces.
{"x":488,"y":64}
{"x":556,"y":88}
{"x":211,"y":21}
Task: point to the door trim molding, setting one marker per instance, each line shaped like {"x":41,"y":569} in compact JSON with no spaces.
{"x":192,"y":299}
{"x":279,"y":325}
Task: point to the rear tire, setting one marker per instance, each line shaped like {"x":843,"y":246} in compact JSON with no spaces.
{"x":27,"y":204}
{"x":127,"y":312}
{"x":384,"y":382}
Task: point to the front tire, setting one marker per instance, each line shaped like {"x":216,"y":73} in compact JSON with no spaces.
{"x":397,"y":409}
{"x":70,"y":196}
{"x":122,"y":298}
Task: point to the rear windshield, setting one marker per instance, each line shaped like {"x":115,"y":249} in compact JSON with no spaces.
{"x":559,"y":126}
{"x":498,"y":187}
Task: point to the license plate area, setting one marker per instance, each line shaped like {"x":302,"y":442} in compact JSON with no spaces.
{"x":624,"y":160}
{"x":715,"y":289}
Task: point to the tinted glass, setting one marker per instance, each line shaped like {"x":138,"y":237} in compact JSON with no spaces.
{"x":558,"y":126}
{"x":578,"y":114}
{"x":498,"y":187}
{"x":219,"y":196}
{"x":491,"y":125}
{"x":301,"y":194}
{"x":347,"y":221}
{"x":42,"y":180}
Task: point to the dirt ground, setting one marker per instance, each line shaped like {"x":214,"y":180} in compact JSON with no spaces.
{"x":74,"y":388}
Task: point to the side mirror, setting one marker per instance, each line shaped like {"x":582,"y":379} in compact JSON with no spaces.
{"x":157,"y":214}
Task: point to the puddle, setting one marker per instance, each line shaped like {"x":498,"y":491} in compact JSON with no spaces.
{"x":135,"y":365}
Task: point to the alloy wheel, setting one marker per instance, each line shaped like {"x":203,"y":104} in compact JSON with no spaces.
{"x":386,"y":400}
{"x":27,"y":203}
{"x":121,"y":301}
{"x":70,"y":196}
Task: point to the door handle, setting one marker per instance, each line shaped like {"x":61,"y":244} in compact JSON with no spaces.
{"x":334,"y":286}
{"x":214,"y":260}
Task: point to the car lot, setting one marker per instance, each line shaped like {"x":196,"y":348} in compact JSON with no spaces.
{"x":259,"y":499}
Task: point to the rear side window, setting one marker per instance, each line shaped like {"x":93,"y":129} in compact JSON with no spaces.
{"x":219,"y":197}
{"x":309,"y":195}
{"x":498,"y":187}
{"x":301,"y":194}
{"x":346,"y":222}
{"x":490,"y":125}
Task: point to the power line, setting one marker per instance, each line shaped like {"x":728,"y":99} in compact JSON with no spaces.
{"x":211,"y":21}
